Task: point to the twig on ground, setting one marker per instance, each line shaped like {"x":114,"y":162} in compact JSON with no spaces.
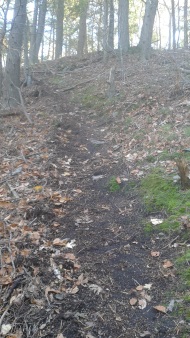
{"x":16,"y":196}
{"x":23,"y":106}
{"x":4,"y":314}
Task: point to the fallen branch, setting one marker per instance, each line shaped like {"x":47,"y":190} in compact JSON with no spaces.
{"x":23,"y":106}
{"x":13,"y":191}
{"x":81,"y":83}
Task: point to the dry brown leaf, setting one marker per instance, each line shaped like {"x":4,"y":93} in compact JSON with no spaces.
{"x":48,"y":290}
{"x":60,"y":242}
{"x":139,"y":287}
{"x":142,"y":304}
{"x":60,"y":336}
{"x":167,"y":264}
{"x":118,"y":180}
{"x":70,"y":256}
{"x":77,"y":266}
{"x":74,"y":290}
{"x":25,"y":252}
{"x":160,"y":308}
{"x":155,"y":253}
{"x":38,"y":188}
{"x":56,"y":224}
{"x":6,"y":205}
{"x":5,"y":280}
{"x":133,"y":301}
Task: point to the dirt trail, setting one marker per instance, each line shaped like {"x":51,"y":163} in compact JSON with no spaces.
{"x":113,"y":250}
{"x":77,"y":262}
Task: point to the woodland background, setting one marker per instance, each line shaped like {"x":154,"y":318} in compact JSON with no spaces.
{"x":39,"y":30}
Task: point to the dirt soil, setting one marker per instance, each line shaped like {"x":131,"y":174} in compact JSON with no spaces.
{"x":75,"y":259}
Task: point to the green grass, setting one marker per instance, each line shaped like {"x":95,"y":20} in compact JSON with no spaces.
{"x":186,"y":131}
{"x":161,"y":194}
{"x":113,"y":186}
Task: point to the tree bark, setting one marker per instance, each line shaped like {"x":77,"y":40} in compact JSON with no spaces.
{"x":123,"y":28}
{"x":185,"y":24}
{"x":111,"y":26}
{"x":105,"y":30}
{"x":37,"y":29}
{"x":2,"y":35}
{"x":82,"y":27}
{"x":59,"y":28}
{"x":173,"y":24}
{"x":147,"y":28}
{"x":33,"y":32}
{"x":11,"y":81}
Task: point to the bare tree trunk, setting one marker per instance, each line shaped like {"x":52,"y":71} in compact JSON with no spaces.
{"x":111,"y":26}
{"x":11,"y":81}
{"x":185,"y":24}
{"x":147,"y":28}
{"x":27,"y":68}
{"x":173,"y":24}
{"x":82,"y":27}
{"x":105,"y":30}
{"x":41,"y":26}
{"x":59,"y":28}
{"x":2,"y":35}
{"x":37,"y":29}
{"x":123,"y":29}
{"x":33,"y":32}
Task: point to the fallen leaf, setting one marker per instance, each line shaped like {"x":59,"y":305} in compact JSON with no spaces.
{"x":96,"y":288}
{"x":133,"y":301}
{"x":6,"y":205}
{"x":142,"y":304}
{"x":148,"y":286}
{"x":48,"y":290}
{"x":160,"y":308}
{"x":71,"y":244}
{"x":5,"y":329}
{"x":156,"y":221}
{"x":5,"y":280}
{"x":60,"y":336}
{"x":167,"y":264}
{"x":70,"y":256}
{"x":74,"y":290}
{"x":60,"y":242}
{"x":139,"y":287}
{"x":155,"y":253}
{"x":118,"y":180}
{"x":38,"y":188}
{"x":89,"y":335}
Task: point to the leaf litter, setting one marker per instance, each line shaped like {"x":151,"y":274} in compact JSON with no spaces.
{"x":54,"y":269}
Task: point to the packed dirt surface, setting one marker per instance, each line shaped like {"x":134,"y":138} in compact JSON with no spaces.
{"x":75,"y":258}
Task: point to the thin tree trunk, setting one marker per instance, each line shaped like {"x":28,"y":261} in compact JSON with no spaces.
{"x":123,"y":28}
{"x":33,"y":32}
{"x":185,"y":24}
{"x":105,"y":30}
{"x":27,"y":68}
{"x":147,"y":28}
{"x":59,"y":28}
{"x":11,"y":81}
{"x":2,"y":35}
{"x":111,"y":26}
{"x":173,"y":25}
{"x":41,"y":26}
{"x":82,"y":27}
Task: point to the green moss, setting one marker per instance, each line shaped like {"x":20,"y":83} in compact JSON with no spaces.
{"x":160,"y":193}
{"x":186,"y":131}
{"x":113,"y":186}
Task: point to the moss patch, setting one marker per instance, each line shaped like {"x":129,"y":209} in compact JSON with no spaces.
{"x":113,"y":185}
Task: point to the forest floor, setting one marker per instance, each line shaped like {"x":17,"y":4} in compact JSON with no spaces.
{"x":76,"y":260}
